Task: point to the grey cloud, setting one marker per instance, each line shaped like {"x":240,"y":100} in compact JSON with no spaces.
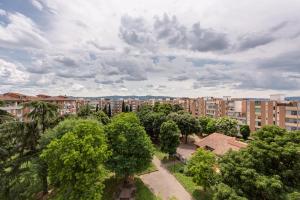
{"x":267,"y":80}
{"x":253,"y":41}
{"x":207,"y":40}
{"x":216,"y":76}
{"x":179,"y":78}
{"x":135,"y":32}
{"x":149,"y":86}
{"x":279,"y":26}
{"x":286,"y":62}
{"x":171,"y":31}
{"x":104,"y":82}
{"x":68,"y":62}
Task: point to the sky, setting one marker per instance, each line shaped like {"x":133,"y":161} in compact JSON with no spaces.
{"x":190,"y":48}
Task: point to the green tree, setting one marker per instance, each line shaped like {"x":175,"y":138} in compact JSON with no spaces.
{"x":126,"y":108}
{"x":131,"y":147}
{"x":165,"y":108}
{"x":76,"y":161}
{"x":207,"y":124}
{"x":268,"y":168}
{"x":123,"y":106}
{"x":223,"y":191}
{"x":201,"y":168}
{"x":245,"y":131}
{"x":211,"y":126}
{"x":152,"y":122}
{"x":18,"y":142}
{"x":169,"y":137}
{"x":42,"y":112}
{"x":186,"y":122}
{"x":101,"y":117}
{"x":227,"y":126}
{"x":85,"y":111}
{"x":109,"y":113}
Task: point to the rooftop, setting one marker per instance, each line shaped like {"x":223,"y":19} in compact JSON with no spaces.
{"x":220,"y":143}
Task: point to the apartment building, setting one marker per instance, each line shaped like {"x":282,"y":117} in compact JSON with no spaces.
{"x":261,"y":113}
{"x":215,"y":107}
{"x":288,"y":115}
{"x":14,"y":103}
{"x":237,"y":109}
{"x":197,"y":107}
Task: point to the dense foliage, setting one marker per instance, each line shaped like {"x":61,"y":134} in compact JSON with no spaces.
{"x":245,"y":131}
{"x":76,"y":161}
{"x":187,"y":123}
{"x":131,"y":147}
{"x":268,"y":169}
{"x":169,"y":137}
{"x":201,"y":168}
{"x":227,"y":126}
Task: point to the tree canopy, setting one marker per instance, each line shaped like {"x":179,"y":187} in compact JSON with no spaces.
{"x":76,"y":160}
{"x":268,"y":168}
{"x":187,"y":123}
{"x":131,"y":147}
{"x":227,"y":126}
{"x":201,"y":168}
{"x":169,"y":137}
{"x":245,"y":131}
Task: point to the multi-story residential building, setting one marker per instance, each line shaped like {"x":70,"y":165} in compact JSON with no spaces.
{"x":14,"y":103}
{"x":288,"y":115}
{"x":197,"y":107}
{"x":214,"y":107}
{"x":237,"y":109}
{"x":261,"y":113}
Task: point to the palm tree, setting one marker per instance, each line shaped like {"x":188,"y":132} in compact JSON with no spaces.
{"x":4,"y":115}
{"x":43,"y":113}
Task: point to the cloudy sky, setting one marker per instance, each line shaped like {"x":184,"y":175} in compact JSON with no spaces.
{"x":248,"y":48}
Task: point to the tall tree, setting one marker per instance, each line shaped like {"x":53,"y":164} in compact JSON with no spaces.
{"x":42,"y":112}
{"x":227,"y":126}
{"x":268,"y":168}
{"x":109,"y":111}
{"x":131,"y":147}
{"x":207,"y":124}
{"x":123,"y":106}
{"x":186,"y":123}
{"x":245,"y":131}
{"x":76,"y":161}
{"x":101,"y":117}
{"x":18,"y":142}
{"x":85,"y":111}
{"x":169,"y":137}
{"x":201,"y":168}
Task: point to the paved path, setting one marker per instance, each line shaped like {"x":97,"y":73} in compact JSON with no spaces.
{"x":165,"y":184}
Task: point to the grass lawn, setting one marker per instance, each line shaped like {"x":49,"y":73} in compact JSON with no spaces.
{"x":187,"y":182}
{"x":150,"y":169}
{"x":159,"y":154}
{"x":142,"y":193}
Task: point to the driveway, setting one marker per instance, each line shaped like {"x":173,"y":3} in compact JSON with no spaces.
{"x":164,"y":184}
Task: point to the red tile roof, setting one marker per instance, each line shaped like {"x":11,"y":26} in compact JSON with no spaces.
{"x":220,"y":143}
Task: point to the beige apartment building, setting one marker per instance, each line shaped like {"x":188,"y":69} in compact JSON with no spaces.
{"x":261,"y":113}
{"x":288,"y":115}
{"x":14,"y":103}
{"x":215,"y":107}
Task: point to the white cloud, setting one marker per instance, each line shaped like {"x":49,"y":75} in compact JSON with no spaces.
{"x":21,"y":33}
{"x":101,"y":47}
{"x":37,"y":4}
{"x":10,"y":74}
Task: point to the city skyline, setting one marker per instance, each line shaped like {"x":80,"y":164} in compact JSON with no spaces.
{"x":169,"y":48}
